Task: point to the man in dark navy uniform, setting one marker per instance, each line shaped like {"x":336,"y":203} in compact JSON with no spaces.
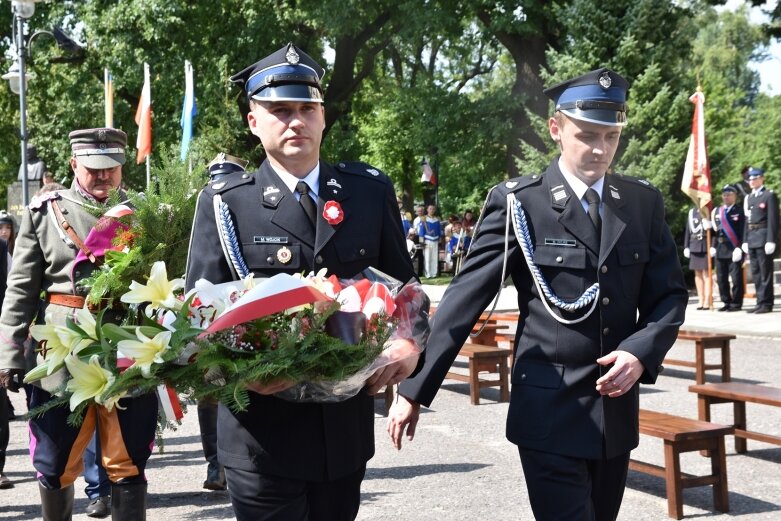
{"x":601,"y":297}
{"x":728,"y":222}
{"x":297,"y":461}
{"x":761,"y":207}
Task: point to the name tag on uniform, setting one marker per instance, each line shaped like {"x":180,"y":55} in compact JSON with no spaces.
{"x":568,"y":243}
{"x":267,"y":239}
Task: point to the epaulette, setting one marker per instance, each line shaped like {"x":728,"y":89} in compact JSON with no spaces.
{"x":519,"y":183}
{"x":361,"y":169}
{"x":636,"y":180}
{"x":228,"y":182}
{"x":38,"y":201}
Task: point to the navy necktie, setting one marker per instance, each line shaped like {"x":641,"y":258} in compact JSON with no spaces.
{"x":593,"y":208}
{"x":310,"y":209}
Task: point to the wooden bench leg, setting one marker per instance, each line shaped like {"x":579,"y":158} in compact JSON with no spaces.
{"x":740,"y":423}
{"x":703,"y":414}
{"x":474,"y":381}
{"x":672,"y":468}
{"x":726,"y":368}
{"x":699,"y":373}
{"x":719,"y":468}
{"x":504,"y":386}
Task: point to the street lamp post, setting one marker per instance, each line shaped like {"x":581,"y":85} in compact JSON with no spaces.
{"x":22,"y":9}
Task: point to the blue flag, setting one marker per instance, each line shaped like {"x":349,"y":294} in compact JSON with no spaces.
{"x":188,"y":109}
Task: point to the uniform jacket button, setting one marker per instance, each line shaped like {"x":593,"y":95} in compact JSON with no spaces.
{"x":76,"y":274}
{"x":319,"y":259}
{"x":637,"y":256}
{"x":606,"y":331}
{"x":559,"y":259}
{"x":660,"y":368}
{"x":603,"y":269}
{"x":523,"y":376}
{"x":605,"y":301}
{"x":270,"y":259}
{"x":362,"y":251}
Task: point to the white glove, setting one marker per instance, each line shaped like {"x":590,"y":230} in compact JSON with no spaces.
{"x":770,"y":248}
{"x":737,"y":255}
{"x":744,"y":247}
{"x":686,"y":253}
{"x":712,"y":251}
{"x":707,"y":223}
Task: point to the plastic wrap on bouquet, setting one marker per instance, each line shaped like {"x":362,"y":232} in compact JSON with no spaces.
{"x":375,"y":296}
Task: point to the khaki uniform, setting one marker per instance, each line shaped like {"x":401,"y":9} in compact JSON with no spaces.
{"x":43,"y":261}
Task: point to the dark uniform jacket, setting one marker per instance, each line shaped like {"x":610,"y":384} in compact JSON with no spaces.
{"x":554,"y":406}
{"x":301,"y":440}
{"x":721,"y":240}
{"x":696,"y":240}
{"x":761,"y":218}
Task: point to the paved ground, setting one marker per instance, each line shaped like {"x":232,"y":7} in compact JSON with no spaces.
{"x":460,"y":466}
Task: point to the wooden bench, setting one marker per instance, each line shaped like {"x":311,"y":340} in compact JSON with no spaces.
{"x":484,"y":358}
{"x":702,"y":341}
{"x":686,"y":435}
{"x":488,"y":336}
{"x":738,"y":394}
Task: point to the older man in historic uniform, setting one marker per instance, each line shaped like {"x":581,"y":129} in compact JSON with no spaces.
{"x":601,"y":297}
{"x":283,"y":460}
{"x":55,"y":228}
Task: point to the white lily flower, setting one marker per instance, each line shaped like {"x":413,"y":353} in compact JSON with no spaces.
{"x":146,"y":351}
{"x":88,"y":380}
{"x":86,"y":321}
{"x":159,"y":291}
{"x":60,"y":342}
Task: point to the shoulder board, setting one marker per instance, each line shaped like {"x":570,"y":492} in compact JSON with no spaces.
{"x":519,"y":183}
{"x":360,"y":169}
{"x":228,"y":182}
{"x":633,"y":180}
{"x":38,"y":201}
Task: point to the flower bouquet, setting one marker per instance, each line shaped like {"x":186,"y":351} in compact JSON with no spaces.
{"x":325,"y":334}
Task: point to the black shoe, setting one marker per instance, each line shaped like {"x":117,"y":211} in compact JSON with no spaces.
{"x":99,"y":507}
{"x":763,"y":309}
{"x":5,"y":482}
{"x":735,"y":308}
{"x":700,"y":308}
{"x":725,"y":307}
{"x":752,"y":310}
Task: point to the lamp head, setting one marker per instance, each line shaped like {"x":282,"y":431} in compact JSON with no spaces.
{"x":24,"y":8}
{"x":15,"y":79}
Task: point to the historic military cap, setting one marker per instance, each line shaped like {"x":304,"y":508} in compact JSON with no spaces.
{"x":598,"y":96}
{"x":99,"y":148}
{"x":288,"y":74}
{"x":225,"y":164}
{"x":753,"y":173}
{"x":729,"y":188}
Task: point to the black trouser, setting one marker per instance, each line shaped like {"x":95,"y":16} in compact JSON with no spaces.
{"x":726,"y":270}
{"x":762,"y":275}
{"x":262,"y":497}
{"x":562,"y":488}
{"x":3,"y":426}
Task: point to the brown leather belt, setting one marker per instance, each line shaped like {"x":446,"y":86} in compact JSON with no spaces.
{"x":65,"y":299}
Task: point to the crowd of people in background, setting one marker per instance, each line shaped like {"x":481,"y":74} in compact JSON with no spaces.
{"x":435,"y":245}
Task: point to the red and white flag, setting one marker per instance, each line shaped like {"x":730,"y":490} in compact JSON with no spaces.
{"x":144,"y":120}
{"x":696,"y":174}
{"x":428,"y":175}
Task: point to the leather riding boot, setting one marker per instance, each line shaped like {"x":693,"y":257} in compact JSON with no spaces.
{"x":128,"y":502}
{"x":57,"y":504}
{"x":207,"y":421}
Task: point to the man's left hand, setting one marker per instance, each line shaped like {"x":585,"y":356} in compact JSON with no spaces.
{"x":625,"y":372}
{"x":397,"y":371}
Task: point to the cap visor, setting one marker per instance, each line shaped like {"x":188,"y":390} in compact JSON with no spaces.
{"x":610,"y":118}
{"x":102,"y":161}
{"x":293,"y":92}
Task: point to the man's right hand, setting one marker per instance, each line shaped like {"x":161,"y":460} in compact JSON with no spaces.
{"x":11,"y":379}
{"x":403,"y":415}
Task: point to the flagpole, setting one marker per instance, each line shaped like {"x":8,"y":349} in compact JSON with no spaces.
{"x":148,"y":174}
{"x":108,"y":94}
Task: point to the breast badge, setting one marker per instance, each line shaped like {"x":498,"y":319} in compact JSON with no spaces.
{"x":284,"y":255}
